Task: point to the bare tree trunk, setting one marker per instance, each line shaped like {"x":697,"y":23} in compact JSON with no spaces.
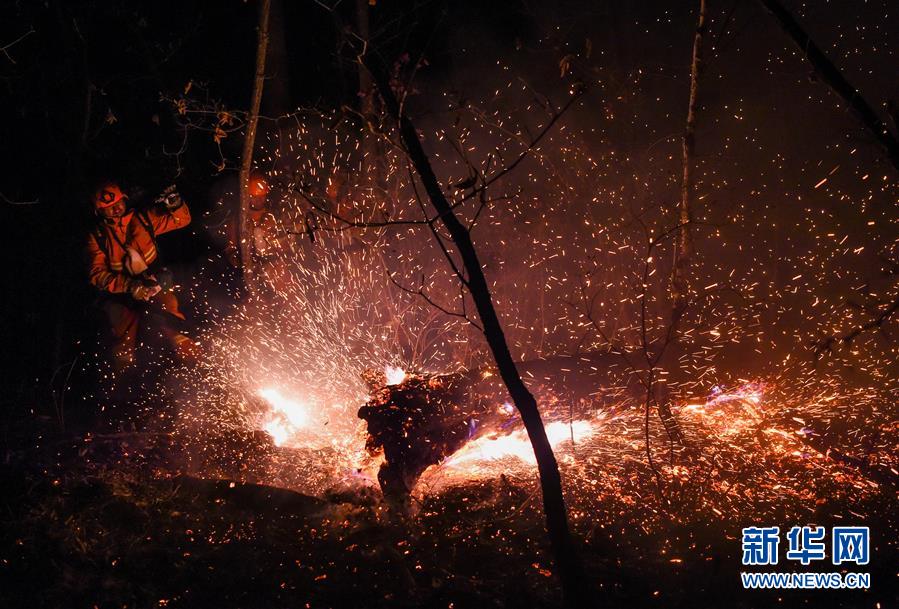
{"x":246,"y":163}
{"x":683,"y":248}
{"x":565,"y":556}
{"x":832,"y":76}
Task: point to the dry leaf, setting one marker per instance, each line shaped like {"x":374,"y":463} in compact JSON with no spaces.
{"x":565,"y":65}
{"x":225,"y":118}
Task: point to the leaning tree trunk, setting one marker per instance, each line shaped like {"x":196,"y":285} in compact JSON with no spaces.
{"x":246,"y":163}
{"x":832,"y":76}
{"x":565,"y":556}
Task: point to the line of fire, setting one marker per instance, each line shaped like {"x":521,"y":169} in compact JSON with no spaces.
{"x":450,"y":303}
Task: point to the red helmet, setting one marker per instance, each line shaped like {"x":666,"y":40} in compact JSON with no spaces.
{"x":108,"y":195}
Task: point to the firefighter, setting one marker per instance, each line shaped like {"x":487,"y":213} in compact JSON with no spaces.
{"x":268,"y":239}
{"x":260,"y":219}
{"x":122,"y":252}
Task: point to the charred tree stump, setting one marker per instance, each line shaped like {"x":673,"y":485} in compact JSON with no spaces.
{"x":422,"y":421}
{"x":427,"y":418}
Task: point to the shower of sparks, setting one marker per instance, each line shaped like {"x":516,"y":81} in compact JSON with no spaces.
{"x":564,"y":248}
{"x":753,"y":460}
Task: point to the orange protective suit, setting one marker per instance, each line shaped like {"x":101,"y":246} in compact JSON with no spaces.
{"x":120,"y":250}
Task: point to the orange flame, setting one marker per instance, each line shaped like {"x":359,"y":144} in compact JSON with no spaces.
{"x":286,"y":417}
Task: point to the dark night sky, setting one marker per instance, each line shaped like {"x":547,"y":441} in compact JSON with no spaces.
{"x":768,"y":132}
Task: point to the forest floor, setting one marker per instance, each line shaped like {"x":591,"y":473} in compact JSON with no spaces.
{"x":103,"y":521}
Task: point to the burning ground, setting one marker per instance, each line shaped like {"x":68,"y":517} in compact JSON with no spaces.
{"x":111,"y":520}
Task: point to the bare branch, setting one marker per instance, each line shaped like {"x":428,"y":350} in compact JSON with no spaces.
{"x":12,"y":202}
{"x":829,"y":344}
{"x":534,"y":143}
{"x":5,"y":49}
{"x":433,"y":228}
{"x":421,"y":293}
{"x":835,"y":79}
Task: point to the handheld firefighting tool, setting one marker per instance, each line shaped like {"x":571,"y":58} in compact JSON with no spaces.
{"x":145,"y":291}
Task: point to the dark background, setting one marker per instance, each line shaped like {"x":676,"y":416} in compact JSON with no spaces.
{"x":82,"y":99}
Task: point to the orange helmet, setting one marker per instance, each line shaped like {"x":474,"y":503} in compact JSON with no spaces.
{"x":258,"y":186}
{"x":108,"y":195}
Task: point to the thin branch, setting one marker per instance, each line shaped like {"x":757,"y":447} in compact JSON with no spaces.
{"x":828,"y":344}
{"x":524,"y":154}
{"x":5,"y":49}
{"x":433,"y":228}
{"x":12,"y":202}
{"x":421,"y":293}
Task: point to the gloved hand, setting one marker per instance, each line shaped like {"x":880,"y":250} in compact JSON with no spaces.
{"x":173,"y":201}
{"x":170,"y":199}
{"x":145,"y":292}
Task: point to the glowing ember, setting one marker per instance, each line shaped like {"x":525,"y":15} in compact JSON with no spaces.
{"x":285,"y":418}
{"x":394,"y":375}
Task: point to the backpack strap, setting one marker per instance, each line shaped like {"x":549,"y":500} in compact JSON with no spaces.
{"x":145,"y":222}
{"x":102,"y":239}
